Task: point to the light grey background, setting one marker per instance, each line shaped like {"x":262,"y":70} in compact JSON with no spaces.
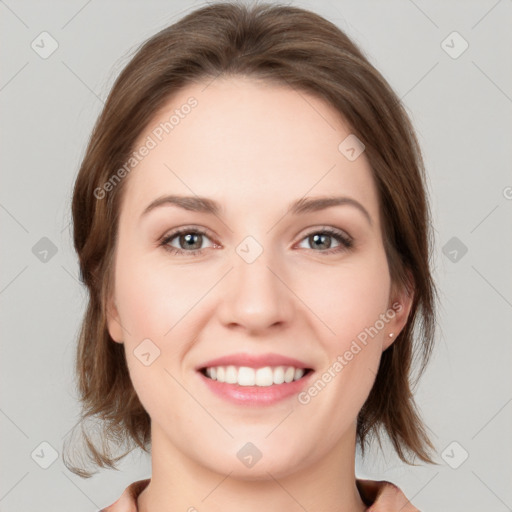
{"x":461,"y":108}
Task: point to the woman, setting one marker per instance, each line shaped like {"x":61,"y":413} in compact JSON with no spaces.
{"x":252,"y":225}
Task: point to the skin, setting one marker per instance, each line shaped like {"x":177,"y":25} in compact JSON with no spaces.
{"x":254,"y":147}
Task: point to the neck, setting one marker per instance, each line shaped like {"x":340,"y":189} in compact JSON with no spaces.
{"x":179,"y":482}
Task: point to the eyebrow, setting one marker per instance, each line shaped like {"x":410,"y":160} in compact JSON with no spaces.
{"x":299,"y":207}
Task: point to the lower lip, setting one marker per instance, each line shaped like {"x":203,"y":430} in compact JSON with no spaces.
{"x":256,"y":395}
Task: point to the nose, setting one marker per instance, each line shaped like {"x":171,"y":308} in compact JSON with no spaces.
{"x":256,"y":296}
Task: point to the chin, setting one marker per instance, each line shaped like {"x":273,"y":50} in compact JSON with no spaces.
{"x":253,"y":461}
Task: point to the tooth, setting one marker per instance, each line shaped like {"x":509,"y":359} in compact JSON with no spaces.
{"x":289,"y":374}
{"x":221,"y":372}
{"x":231,"y":375}
{"x":246,"y":376}
{"x":264,"y":376}
{"x":278,"y":375}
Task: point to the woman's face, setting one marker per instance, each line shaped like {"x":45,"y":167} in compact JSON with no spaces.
{"x":258,"y":282}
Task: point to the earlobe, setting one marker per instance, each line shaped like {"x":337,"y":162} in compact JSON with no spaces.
{"x":113,"y":322}
{"x":387,"y":342}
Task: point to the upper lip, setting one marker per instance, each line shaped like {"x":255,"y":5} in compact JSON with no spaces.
{"x":254,"y":361}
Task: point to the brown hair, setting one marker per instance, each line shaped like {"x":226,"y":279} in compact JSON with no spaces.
{"x":285,"y":45}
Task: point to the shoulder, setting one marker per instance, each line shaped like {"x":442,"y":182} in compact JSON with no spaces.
{"x":383,"y":496}
{"x":128,"y":500}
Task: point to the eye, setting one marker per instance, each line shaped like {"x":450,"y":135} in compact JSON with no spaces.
{"x":323,"y":237}
{"x":190,"y":239}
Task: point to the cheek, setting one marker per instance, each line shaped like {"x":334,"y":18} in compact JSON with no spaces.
{"x":351,"y":305}
{"x":152,"y":305}
{"x":152,"y":299}
{"x":349,"y":298}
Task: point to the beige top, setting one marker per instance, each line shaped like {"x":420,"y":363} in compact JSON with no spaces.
{"x":379,"y":496}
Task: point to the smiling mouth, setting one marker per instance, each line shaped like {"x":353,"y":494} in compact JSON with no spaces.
{"x":261,"y":377}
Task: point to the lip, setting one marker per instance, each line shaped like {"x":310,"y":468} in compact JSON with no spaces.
{"x":254,"y":361}
{"x":255,"y":395}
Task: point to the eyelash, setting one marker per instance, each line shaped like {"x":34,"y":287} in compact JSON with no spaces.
{"x":346,"y":242}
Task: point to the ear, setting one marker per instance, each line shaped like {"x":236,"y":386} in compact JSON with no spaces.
{"x":400,"y":302}
{"x":114,"y":326}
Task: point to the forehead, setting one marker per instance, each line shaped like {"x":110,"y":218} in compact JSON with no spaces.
{"x":248,"y":143}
